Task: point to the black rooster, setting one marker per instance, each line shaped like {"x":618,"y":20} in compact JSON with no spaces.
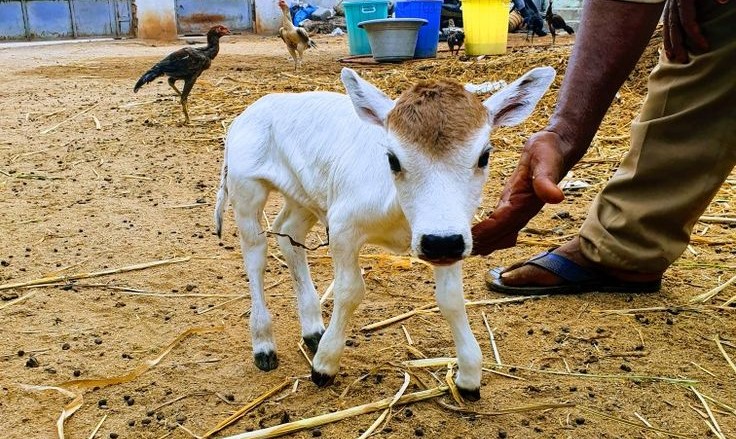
{"x":186,"y":64}
{"x":456,"y":38}
{"x":533,"y":19}
{"x":555,"y":22}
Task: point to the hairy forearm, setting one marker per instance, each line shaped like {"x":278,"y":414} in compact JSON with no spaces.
{"x":612,"y":36}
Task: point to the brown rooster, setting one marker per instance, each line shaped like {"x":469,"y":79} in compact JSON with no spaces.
{"x":186,"y":64}
{"x":556,"y":22}
{"x":296,"y":38}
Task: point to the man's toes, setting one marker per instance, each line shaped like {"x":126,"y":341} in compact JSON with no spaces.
{"x":266,"y":360}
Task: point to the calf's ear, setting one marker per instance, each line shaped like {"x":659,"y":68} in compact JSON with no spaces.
{"x":371,"y":104}
{"x":514,"y":103}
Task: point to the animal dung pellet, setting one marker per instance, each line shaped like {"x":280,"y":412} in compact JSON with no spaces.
{"x":98,"y":340}
{"x":9,"y":296}
{"x":32,"y":362}
{"x":102,"y":403}
{"x":66,"y":347}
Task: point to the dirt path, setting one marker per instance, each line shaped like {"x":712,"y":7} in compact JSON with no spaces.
{"x":95,"y":177}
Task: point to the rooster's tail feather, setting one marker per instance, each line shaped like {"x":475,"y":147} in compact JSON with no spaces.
{"x":147,"y":77}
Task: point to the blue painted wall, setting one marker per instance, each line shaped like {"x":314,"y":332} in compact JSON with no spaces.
{"x":11,"y":20}
{"x":50,"y":19}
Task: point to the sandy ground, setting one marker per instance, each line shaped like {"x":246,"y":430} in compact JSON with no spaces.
{"x":94,"y":177}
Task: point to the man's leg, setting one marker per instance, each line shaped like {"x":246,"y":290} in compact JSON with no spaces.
{"x":683,"y":148}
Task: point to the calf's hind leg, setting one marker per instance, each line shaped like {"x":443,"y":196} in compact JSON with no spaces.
{"x":348,"y":293}
{"x":296,"y":221}
{"x":248,"y":201}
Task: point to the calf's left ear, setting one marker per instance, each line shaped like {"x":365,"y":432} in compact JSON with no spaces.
{"x":514,"y":103}
{"x":371,"y":104}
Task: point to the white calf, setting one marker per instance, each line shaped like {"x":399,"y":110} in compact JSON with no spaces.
{"x":403,"y":174}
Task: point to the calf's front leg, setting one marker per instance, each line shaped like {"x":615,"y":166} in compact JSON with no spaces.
{"x":449,"y":295}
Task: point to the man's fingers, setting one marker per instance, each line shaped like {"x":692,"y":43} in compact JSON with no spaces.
{"x":504,"y":237}
{"x":679,"y":52}
{"x":666,"y":33}
{"x":688,"y":20}
{"x":547,"y":190}
{"x":547,"y":168}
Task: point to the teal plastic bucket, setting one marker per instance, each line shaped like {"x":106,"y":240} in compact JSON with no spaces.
{"x":359,"y":11}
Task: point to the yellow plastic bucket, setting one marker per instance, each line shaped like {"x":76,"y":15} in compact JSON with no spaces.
{"x":485,"y":23}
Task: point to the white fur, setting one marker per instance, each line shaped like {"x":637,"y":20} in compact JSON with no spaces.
{"x":327,"y":154}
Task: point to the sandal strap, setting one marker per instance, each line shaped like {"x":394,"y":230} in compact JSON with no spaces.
{"x":563,"y":267}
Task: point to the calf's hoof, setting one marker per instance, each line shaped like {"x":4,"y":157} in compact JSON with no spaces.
{"x":266,"y":360}
{"x":469,"y":394}
{"x":321,"y":379}
{"x":312,"y":341}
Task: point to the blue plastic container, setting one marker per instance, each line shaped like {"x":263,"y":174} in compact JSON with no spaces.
{"x":429,"y":10}
{"x":356,"y":12}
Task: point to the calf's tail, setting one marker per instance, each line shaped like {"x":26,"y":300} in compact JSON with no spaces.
{"x":222,"y":198}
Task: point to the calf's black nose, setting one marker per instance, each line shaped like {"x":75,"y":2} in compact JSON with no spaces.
{"x":442,"y":247}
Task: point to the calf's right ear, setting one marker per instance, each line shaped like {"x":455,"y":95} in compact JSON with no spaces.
{"x":371,"y":104}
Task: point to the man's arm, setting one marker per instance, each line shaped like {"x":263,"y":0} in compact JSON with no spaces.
{"x":612,"y":36}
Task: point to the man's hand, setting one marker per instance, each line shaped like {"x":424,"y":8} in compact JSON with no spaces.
{"x":533,"y":183}
{"x":682,"y":31}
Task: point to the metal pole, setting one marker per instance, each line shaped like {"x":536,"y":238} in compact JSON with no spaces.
{"x":73,"y":18}
{"x":26,"y":24}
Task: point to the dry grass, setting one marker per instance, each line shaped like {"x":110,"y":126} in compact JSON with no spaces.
{"x":543,"y":366}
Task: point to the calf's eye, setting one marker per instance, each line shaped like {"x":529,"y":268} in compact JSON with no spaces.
{"x":393,"y":162}
{"x":483,"y":160}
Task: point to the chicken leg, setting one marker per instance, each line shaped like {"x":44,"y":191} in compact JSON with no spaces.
{"x":172,"y":84}
{"x":188,"y":84}
{"x":294,"y":56}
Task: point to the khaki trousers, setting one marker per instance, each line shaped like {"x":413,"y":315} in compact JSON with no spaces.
{"x":683,"y":147}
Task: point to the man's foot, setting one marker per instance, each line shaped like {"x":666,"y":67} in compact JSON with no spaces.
{"x":566,"y":270}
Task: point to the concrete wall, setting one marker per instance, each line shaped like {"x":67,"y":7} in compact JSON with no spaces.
{"x":268,"y":17}
{"x":156,"y":19}
{"x":268,"y":14}
{"x":324,"y":3}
